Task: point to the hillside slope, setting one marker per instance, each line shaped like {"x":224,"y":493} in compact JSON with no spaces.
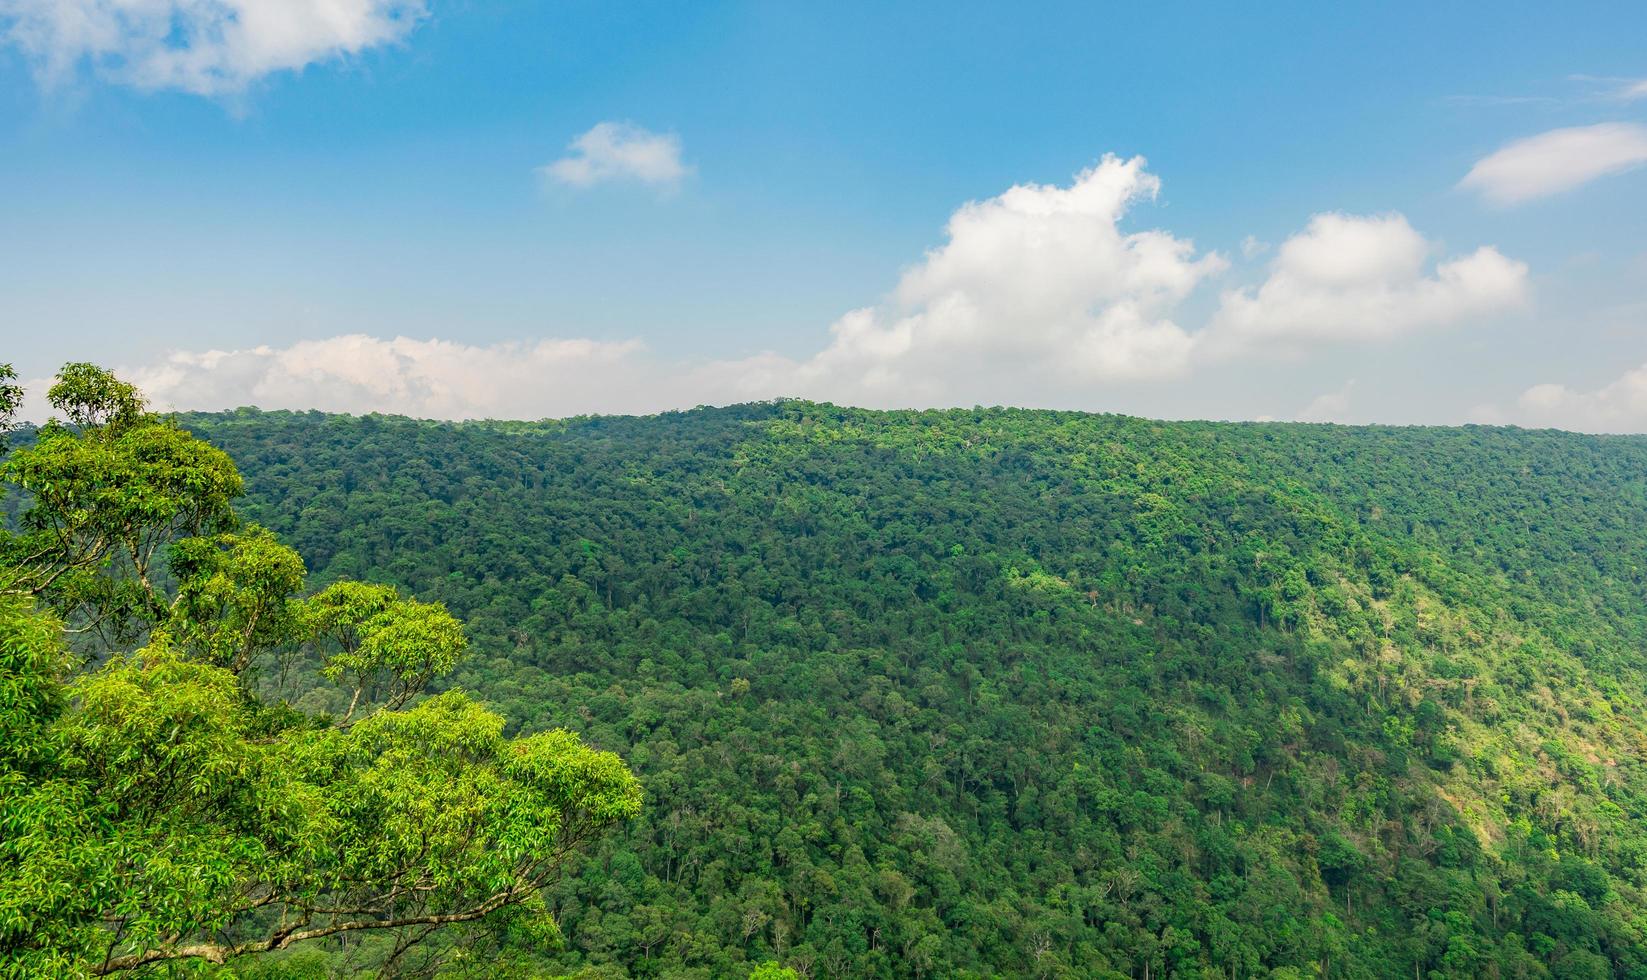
{"x":1036,"y":694}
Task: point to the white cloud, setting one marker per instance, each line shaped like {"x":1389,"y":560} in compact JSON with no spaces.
{"x":1486,"y":413}
{"x":1334,"y":406}
{"x":1620,"y":406}
{"x":1557,"y":161}
{"x":1349,"y":277}
{"x":207,"y":47}
{"x":1039,"y":281}
{"x":1036,"y":296}
{"x":614,"y":151}
{"x":1491,"y":101}
{"x":1613,"y":88}
{"x":429,"y":378}
{"x":1251,"y":247}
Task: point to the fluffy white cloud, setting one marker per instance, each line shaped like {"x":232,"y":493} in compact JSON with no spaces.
{"x":1620,"y":406}
{"x":1349,"y":277}
{"x":1040,"y":281}
{"x":1557,"y":161}
{"x":208,"y":47}
{"x":620,"y":151}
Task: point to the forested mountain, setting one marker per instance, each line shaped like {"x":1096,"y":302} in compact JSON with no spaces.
{"x":994,"y":692}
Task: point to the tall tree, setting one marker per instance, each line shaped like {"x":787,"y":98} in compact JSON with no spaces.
{"x":155,"y":807}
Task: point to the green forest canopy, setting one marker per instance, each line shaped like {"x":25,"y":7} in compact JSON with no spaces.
{"x":995,"y":692}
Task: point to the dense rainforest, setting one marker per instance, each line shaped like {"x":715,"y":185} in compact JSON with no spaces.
{"x":1023,"y":693}
{"x":950,"y":693}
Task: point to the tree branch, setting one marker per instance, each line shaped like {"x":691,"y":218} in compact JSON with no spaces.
{"x":221,"y":953}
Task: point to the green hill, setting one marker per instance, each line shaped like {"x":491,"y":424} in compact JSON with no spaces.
{"x":1028,"y":693}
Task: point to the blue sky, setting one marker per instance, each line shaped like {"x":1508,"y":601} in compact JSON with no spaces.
{"x":295,"y":196}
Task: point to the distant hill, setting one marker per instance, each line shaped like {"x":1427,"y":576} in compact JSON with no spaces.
{"x":1021,"y":693}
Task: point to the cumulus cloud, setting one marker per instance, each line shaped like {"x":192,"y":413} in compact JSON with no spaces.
{"x":207,"y":47}
{"x":619,"y":151}
{"x":1557,"y":161}
{"x":1350,"y":277}
{"x":1039,"y":281}
{"x":1037,"y":295}
{"x":1620,"y":406}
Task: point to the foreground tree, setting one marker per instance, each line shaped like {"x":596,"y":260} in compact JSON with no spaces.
{"x":154,"y":807}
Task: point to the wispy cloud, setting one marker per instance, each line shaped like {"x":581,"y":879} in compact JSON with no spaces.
{"x":1500,"y":100}
{"x":1633,"y":90}
{"x":620,"y":151}
{"x":206,"y":47}
{"x":1580,"y":90}
{"x":1557,"y":161}
{"x":1614,"y":88}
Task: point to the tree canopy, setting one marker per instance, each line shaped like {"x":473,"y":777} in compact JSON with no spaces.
{"x":159,"y":806}
{"x":1017,"y":693}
